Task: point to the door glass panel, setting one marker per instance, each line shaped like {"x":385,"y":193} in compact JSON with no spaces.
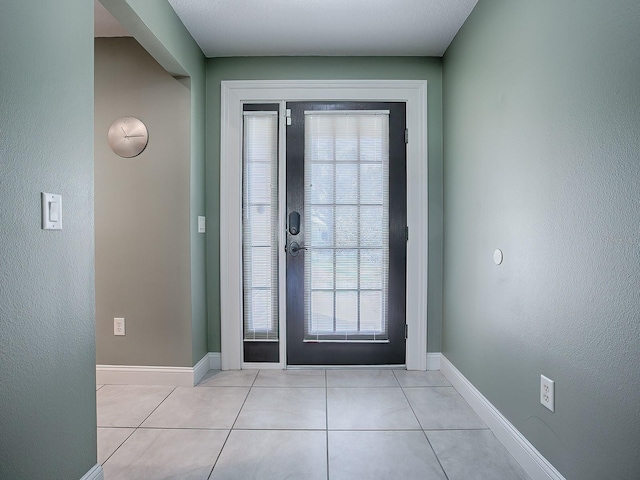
{"x":372,"y":231}
{"x":322,"y":264}
{"x":346,"y":268}
{"x":321,"y":185}
{"x":347,"y":184}
{"x":371,"y":270}
{"x":260,"y":310}
{"x":322,"y":311}
{"x":319,"y":225}
{"x":259,"y":219}
{"x":346,"y":225}
{"x":260,"y":228}
{"x":346,"y":312}
{"x":371,"y":308}
{"x":371,"y":177}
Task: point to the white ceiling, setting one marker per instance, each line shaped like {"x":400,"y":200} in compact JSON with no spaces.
{"x":323,"y":27}
{"x":104,"y":25}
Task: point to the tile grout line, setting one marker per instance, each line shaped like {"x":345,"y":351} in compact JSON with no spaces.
{"x":367,"y":430}
{"x":157,"y":406}
{"x":233,"y":425}
{"x":135,"y":429}
{"x":430,"y":386}
{"x":435,"y":454}
{"x":398,"y":382}
{"x":118,"y":447}
{"x":184,"y":428}
{"x":421,"y":428}
{"x":283,"y":387}
{"x":456,"y":429}
{"x":366,"y":386}
{"x":288,"y":429}
{"x":409,"y":403}
{"x":215,"y":462}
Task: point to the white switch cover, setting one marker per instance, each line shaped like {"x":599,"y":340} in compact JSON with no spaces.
{"x":54,"y":211}
{"x":547,"y":392}
{"x":118,"y":326}
{"x":201,"y":224}
{"x":51,"y":211}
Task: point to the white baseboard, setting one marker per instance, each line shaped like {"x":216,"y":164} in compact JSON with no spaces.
{"x":536,"y":466}
{"x":150,"y":375}
{"x":144,"y":375}
{"x":96,"y":473}
{"x":201,"y":368}
{"x":214,"y":361}
{"x":433,"y":361}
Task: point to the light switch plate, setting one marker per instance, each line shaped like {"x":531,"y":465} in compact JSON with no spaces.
{"x":201,"y":224}
{"x":51,"y":211}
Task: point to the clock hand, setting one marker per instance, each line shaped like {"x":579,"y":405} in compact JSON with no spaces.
{"x":132,"y":136}
{"x":125,"y":133}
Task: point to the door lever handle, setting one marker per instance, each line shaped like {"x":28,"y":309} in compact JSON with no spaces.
{"x":294,"y":249}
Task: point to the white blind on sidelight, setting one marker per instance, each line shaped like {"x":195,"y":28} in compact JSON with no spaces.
{"x":259,"y":225}
{"x":346,"y":225}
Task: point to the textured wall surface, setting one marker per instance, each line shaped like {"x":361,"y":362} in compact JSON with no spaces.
{"x":542,"y":138}
{"x":47,"y":354}
{"x":142,"y":212}
{"x":326,"y":68}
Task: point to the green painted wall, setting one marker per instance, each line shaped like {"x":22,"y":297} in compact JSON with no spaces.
{"x":326,"y":68}
{"x":541,"y":139}
{"x":159,"y":30}
{"x":47,"y":354}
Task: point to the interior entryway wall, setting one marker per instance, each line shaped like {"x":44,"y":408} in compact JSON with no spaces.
{"x":142,"y":212}
{"x":329,"y":68}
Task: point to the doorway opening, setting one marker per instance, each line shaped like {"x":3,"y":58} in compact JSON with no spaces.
{"x":324,"y":283}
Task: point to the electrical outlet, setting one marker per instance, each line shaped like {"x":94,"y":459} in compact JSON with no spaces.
{"x":118,"y":326}
{"x":547,"y":392}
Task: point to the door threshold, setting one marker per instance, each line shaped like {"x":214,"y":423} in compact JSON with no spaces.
{"x":345,"y":367}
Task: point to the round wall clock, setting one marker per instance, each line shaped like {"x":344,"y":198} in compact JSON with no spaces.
{"x":128,"y":137}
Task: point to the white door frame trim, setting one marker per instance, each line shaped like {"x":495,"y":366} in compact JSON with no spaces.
{"x":233,"y":95}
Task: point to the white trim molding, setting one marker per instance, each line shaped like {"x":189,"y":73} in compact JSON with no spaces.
{"x":96,"y":473}
{"x":531,"y":460}
{"x":433,"y":361}
{"x":152,"y":375}
{"x":214,"y":360}
{"x":200,"y":369}
{"x":144,"y":375}
{"x":233,"y":95}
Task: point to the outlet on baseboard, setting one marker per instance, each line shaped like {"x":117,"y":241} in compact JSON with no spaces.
{"x":547,"y":392}
{"x":118,"y":326}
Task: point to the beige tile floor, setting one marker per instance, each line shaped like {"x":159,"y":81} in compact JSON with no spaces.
{"x":298,"y":424}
